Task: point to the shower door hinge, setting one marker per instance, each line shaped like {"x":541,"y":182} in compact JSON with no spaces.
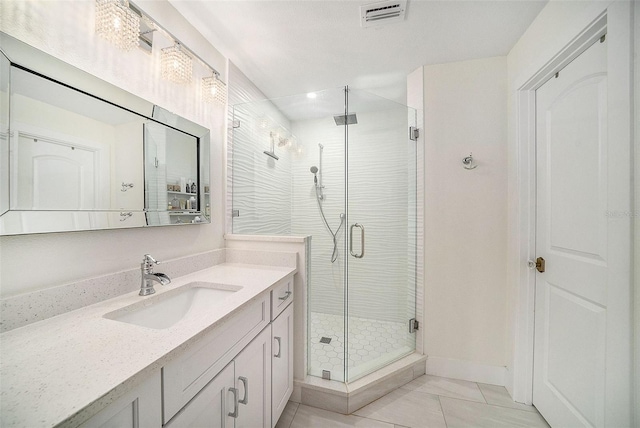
{"x":414,"y":133}
{"x":235,"y":213}
{"x":413,"y":325}
{"x":235,"y":124}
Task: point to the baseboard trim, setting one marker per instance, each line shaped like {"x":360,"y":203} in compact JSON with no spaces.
{"x":466,"y":370}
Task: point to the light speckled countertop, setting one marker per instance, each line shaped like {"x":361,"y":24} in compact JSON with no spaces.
{"x":62,"y":370}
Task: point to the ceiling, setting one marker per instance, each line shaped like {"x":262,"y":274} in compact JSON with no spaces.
{"x":298,"y":46}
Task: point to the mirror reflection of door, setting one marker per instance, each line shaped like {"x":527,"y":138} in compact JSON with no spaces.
{"x":54,"y":175}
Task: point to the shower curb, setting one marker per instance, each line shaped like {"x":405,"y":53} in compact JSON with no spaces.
{"x":346,"y":398}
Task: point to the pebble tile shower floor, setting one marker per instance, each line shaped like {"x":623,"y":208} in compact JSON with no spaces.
{"x":371,"y":342}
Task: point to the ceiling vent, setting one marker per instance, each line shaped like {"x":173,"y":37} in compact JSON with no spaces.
{"x":382,"y":13}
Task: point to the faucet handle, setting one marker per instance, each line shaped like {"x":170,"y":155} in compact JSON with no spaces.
{"x":148,"y":262}
{"x":148,"y":259}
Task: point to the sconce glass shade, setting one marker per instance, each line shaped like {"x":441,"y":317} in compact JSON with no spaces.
{"x":214,"y":89}
{"x":117,"y":23}
{"x":176,"y":65}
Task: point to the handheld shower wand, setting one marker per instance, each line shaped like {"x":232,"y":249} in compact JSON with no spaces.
{"x":314,"y":170}
{"x":319,"y":198}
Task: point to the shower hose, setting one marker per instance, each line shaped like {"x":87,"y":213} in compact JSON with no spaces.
{"x":334,"y":236}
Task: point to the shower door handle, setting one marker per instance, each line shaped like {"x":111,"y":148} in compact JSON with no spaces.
{"x":357,"y":256}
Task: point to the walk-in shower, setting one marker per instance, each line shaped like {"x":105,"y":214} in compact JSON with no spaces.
{"x":352,"y":188}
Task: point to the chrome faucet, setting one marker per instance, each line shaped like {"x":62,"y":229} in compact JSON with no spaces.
{"x":146,"y":267}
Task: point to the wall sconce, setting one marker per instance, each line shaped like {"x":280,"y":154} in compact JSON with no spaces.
{"x":117,"y":23}
{"x":176,"y":65}
{"x":214,"y":89}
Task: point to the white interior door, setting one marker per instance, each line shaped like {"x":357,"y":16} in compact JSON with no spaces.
{"x":54,"y":175}
{"x":579,"y":242}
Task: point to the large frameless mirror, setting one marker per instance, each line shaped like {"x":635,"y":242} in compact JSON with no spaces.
{"x":80,"y":154}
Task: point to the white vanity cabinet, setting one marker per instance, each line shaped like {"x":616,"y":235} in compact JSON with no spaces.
{"x":281,"y":362}
{"x":240,"y":375}
{"x":138,"y":408}
{"x":191,"y":371}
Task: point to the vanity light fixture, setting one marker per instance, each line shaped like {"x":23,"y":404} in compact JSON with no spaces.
{"x":117,"y":23}
{"x":176,"y":64}
{"x":214,"y":89}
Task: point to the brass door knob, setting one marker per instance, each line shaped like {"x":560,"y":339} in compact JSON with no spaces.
{"x":538,"y":264}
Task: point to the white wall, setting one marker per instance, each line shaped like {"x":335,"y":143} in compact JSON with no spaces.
{"x":65,"y":30}
{"x":465,"y":216}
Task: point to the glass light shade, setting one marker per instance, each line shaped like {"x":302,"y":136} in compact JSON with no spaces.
{"x":176,"y":65}
{"x":214,"y":89}
{"x":116,"y":22}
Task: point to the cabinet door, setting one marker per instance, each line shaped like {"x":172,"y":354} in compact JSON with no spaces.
{"x":140,"y":408}
{"x":212,"y":406}
{"x":253,"y":382}
{"x":282,"y":362}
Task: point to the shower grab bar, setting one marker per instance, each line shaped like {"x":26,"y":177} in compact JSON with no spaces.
{"x":357,"y":256}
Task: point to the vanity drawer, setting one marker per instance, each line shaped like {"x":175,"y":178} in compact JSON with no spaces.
{"x":185,"y":376}
{"x":281,"y":296}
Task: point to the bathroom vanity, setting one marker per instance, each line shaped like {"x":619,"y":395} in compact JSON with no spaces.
{"x":119,"y":363}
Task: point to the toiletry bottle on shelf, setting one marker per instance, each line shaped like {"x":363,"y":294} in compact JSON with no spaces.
{"x":188,"y":187}
{"x":175,"y":203}
{"x":192,"y":202}
{"x":194,"y":188}
{"x":207,"y":211}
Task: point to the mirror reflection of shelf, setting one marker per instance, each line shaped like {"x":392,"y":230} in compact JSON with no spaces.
{"x":181,"y":193}
{"x":180,"y":212}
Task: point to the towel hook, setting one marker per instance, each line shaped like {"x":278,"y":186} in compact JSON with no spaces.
{"x":468,"y":162}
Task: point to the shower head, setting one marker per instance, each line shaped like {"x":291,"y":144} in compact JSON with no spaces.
{"x":345,"y":119}
{"x":314,"y":171}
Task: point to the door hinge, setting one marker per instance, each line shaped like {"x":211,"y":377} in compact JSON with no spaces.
{"x":414,"y":133}
{"x":235,"y":213}
{"x":413,"y":325}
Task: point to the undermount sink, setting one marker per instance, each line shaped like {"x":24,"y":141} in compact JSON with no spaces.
{"x":165,"y":310}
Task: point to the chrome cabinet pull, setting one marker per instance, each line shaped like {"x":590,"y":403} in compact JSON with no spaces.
{"x":286,"y":295}
{"x":234,"y":414}
{"x":361,"y":255}
{"x":279,"y":347}
{"x":245,"y":382}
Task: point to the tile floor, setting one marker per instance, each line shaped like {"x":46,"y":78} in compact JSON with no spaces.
{"x":428,"y":401}
{"x":372,"y":343}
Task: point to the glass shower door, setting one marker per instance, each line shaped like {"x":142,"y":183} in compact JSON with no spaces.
{"x":381,"y":233}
